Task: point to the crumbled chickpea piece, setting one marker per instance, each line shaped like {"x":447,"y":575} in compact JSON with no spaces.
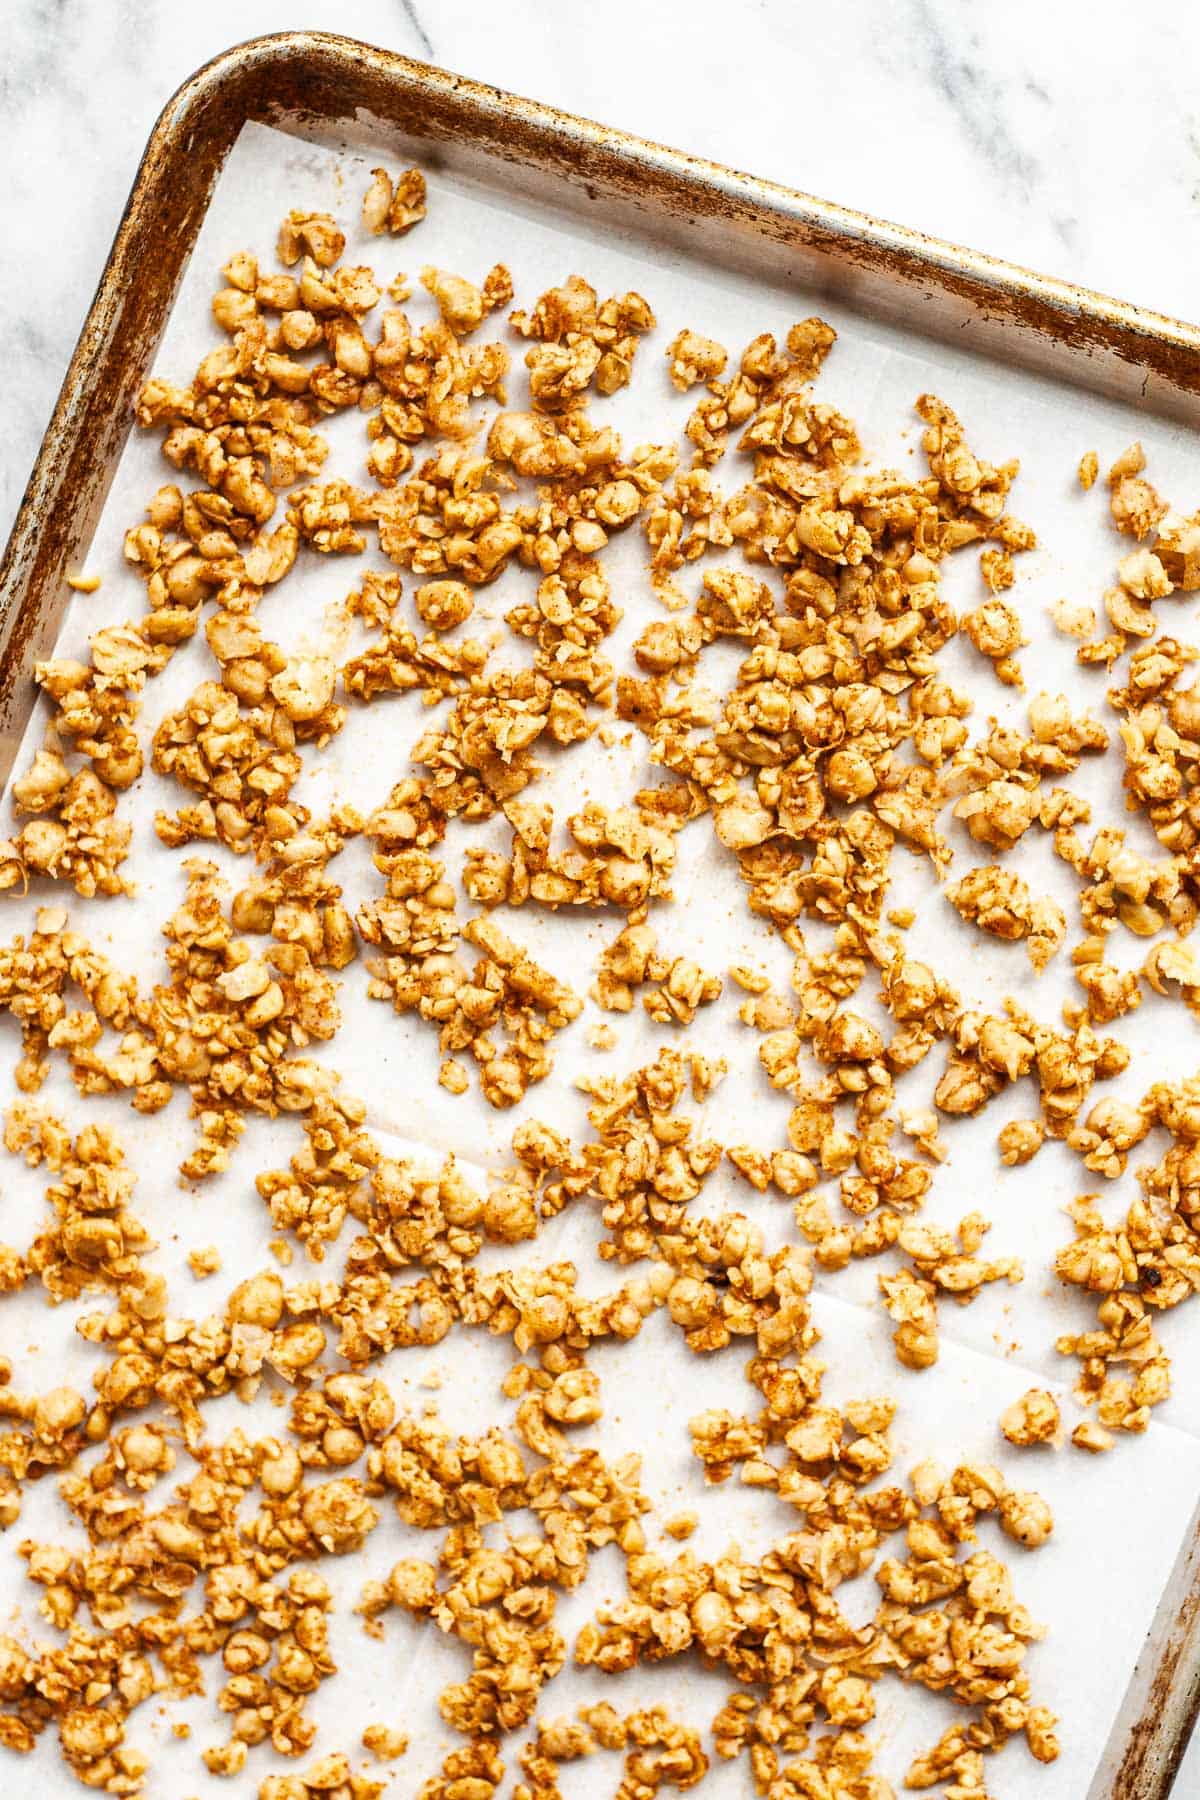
{"x":999,"y":901}
{"x":633,"y":960}
{"x":444,"y":604}
{"x":1135,"y":506}
{"x":910,"y":1303}
{"x":995,"y":631}
{"x":1074,"y":618}
{"x":1033,"y":1419}
{"x":1020,"y":1140}
{"x":453,"y":1076}
{"x":464,"y":306}
{"x":996,"y":567}
{"x":394,"y":206}
{"x":419,"y":971}
{"x":385,"y":1742}
{"x":331,"y":1777}
{"x":314,"y":234}
{"x":580,"y":340}
{"x":694,"y":358}
{"x":1089,"y":468}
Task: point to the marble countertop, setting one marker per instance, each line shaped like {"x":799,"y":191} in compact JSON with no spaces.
{"x":1050,"y":134}
{"x":1027,"y":129}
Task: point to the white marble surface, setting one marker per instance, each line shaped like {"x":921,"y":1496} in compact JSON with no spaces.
{"x":1065,"y":136}
{"x":1053,"y":131}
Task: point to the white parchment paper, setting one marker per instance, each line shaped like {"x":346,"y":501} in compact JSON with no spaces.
{"x":1120,"y":1519}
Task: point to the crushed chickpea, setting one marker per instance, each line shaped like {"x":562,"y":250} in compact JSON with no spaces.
{"x":1074,"y":618}
{"x":1020,"y":1140}
{"x":999,"y":901}
{"x":394,"y":206}
{"x":1033,"y":1419}
{"x":384,"y":1742}
{"x":679,"y":988}
{"x":1089,"y":1436}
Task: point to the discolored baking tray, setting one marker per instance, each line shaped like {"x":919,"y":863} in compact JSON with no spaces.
{"x":315,"y":85}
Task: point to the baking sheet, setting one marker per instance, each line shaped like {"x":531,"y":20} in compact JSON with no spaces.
{"x":1126,"y":1514}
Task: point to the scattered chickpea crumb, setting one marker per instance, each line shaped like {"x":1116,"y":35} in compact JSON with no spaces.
{"x":1074,"y":618}
{"x":84,"y":584}
{"x":394,"y":206}
{"x":601,"y":1036}
{"x":384,"y":1742}
{"x":1089,"y":468}
{"x":1087,"y":1435}
{"x":204,"y":1262}
{"x":1033,"y":1419}
{"x":751,"y":981}
{"x":681,"y":1525}
{"x":997,"y":568}
{"x":453,"y":1076}
{"x":1020,"y":1140}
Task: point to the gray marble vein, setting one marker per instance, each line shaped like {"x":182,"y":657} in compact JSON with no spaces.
{"x":979,"y":101}
{"x":408,"y":8}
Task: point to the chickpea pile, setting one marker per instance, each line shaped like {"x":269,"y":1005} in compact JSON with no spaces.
{"x":837,"y":743}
